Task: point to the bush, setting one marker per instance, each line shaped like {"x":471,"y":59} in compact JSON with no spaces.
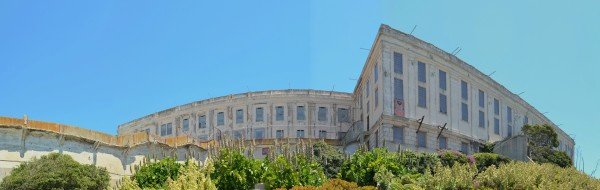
{"x":233,"y":170}
{"x":154,"y":175}
{"x":418,"y":162}
{"x":56,"y":171}
{"x":335,"y":184}
{"x":363,"y":165}
{"x":458,"y":176}
{"x":329,"y":157}
{"x":192,"y":177}
{"x":449,"y":157}
{"x":484,"y":160}
{"x":296,"y":171}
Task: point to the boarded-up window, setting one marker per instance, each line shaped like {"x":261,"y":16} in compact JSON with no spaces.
{"x":279,"y":113}
{"x":422,"y":102}
{"x":322,"y":114}
{"x":398,"y":135}
{"x":259,"y":114}
{"x":343,"y":115}
{"x":422,"y":72}
{"x":300,"y":113}
{"x":398,"y":63}
{"x":443,"y":104}
{"x":422,"y":139}
{"x":239,"y":116}
{"x":220,"y":118}
{"x":202,"y":122}
{"x":186,"y":125}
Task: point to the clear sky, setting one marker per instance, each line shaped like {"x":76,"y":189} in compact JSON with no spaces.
{"x":97,"y":65}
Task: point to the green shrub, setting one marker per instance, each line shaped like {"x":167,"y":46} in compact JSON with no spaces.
{"x":335,"y":184}
{"x":192,"y":177}
{"x":458,"y":176}
{"x":55,"y":171}
{"x":295,"y":171}
{"x":329,"y":157}
{"x":233,"y":170}
{"x":521,"y":175}
{"x":419,"y":162}
{"x":449,"y":157}
{"x":484,"y":160}
{"x":363,"y":165}
{"x":155,"y":174}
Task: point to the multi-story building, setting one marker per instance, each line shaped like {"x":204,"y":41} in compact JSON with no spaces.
{"x":410,"y":94}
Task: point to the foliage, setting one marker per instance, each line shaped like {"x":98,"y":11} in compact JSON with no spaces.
{"x":520,"y":175}
{"x":487,"y":148}
{"x":128,"y":184}
{"x":457,"y":176}
{"x":419,"y":162}
{"x":484,"y":160}
{"x":449,"y":157}
{"x":542,"y":141}
{"x":363,"y":165}
{"x":335,"y":184}
{"x":294,"y":171}
{"x":155,"y":174}
{"x":192,"y":177}
{"x":55,"y":171}
{"x":329,"y":157}
{"x":233,"y":170}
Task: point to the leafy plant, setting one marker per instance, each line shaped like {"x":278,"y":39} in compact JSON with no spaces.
{"x":363,"y":165}
{"x":192,"y":177}
{"x":233,"y":170}
{"x":297,"y":170}
{"x":484,"y":160}
{"x":55,"y":171}
{"x":329,"y":157}
{"x":155,"y":174}
{"x":542,"y":141}
{"x":449,"y":158}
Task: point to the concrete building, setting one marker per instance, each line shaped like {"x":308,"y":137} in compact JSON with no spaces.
{"x":410,"y":94}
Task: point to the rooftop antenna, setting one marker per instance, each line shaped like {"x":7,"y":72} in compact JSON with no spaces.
{"x":457,"y":51}
{"x":520,"y":93}
{"x":454,"y":50}
{"x":545,"y":113}
{"x":491,"y":73}
{"x":415,"y":27}
{"x":333,"y":88}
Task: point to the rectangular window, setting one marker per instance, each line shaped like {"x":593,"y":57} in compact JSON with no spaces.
{"x":464,"y":148}
{"x":496,"y":126}
{"x":300,"y":113}
{"x":442,"y":75}
{"x":481,"y":99}
{"x":398,"y":63}
{"x":202,"y":122}
{"x":398,"y":135}
{"x":239,"y":116}
{"x":525,"y":120}
{"x":509,"y":130}
{"x":220,"y":118}
{"x":443,"y":142}
{"x":300,"y":133}
{"x":375,"y":73}
{"x":367,"y":89}
{"x":398,"y":89}
{"x":169,"y":129}
{"x":443,"y":104}
{"x":422,"y":97}
{"x":465,"y":112}
{"x":376,"y":98}
{"x":279,"y":113}
{"x":343,"y":115}
{"x":163,"y":129}
{"x":259,"y":133}
{"x":421,"y":72}
{"x":237,"y":134}
{"x":463,"y":90}
{"x":422,"y":139}
{"x":496,"y":106}
{"x":279,"y":134}
{"x":509,"y":115}
{"x":322,"y":134}
{"x":322,"y":114}
{"x":186,"y":125}
{"x":481,"y":119}
{"x":259,"y":114}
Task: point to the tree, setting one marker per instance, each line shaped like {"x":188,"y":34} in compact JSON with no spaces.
{"x":233,"y":170}
{"x":542,"y":141}
{"x":56,"y":171}
{"x":155,"y":175}
{"x":330,"y":157}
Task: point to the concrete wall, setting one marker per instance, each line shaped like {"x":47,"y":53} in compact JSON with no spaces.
{"x":20,"y":144}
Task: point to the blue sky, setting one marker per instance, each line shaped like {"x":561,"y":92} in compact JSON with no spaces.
{"x":97,"y":65}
